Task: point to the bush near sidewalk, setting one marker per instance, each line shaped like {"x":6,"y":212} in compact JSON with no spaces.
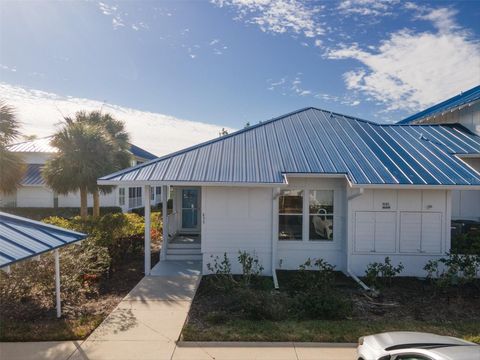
{"x":95,"y":274}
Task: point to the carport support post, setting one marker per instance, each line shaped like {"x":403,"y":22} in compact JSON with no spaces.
{"x":163,"y":251}
{"x":57,"y":283}
{"x":148,"y":249}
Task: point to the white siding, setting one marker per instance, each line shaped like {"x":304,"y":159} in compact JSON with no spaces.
{"x":469,"y":117}
{"x":236,"y":219}
{"x":34,"y":196}
{"x":409,"y":226}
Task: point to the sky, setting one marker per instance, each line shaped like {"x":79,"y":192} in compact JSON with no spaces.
{"x":224,"y":63}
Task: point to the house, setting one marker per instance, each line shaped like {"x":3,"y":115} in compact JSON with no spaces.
{"x":462,"y":109}
{"x":313,"y":184}
{"x":33,"y":191}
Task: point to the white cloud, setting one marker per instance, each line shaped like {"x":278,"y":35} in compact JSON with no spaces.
{"x":8,"y":68}
{"x":409,"y":70}
{"x":118,"y":18}
{"x":367,"y":7}
{"x":278,"y":16}
{"x":40,"y":113}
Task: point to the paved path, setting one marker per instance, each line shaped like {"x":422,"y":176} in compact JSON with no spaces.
{"x":147,"y":324}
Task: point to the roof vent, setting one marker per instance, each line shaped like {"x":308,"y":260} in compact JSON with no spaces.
{"x":421,"y":137}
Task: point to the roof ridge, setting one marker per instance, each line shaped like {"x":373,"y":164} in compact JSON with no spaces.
{"x":31,"y":140}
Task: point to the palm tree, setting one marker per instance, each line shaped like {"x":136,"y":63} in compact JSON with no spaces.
{"x":120,"y":156}
{"x":90,"y":145}
{"x":12,"y":166}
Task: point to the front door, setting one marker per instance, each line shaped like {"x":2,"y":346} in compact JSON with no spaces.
{"x":190,"y":208}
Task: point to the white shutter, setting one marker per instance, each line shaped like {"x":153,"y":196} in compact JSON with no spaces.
{"x":431,"y":232}
{"x":385,"y":231}
{"x":364,"y":231}
{"x":410,"y":232}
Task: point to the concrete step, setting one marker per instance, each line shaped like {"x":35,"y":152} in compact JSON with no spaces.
{"x":183,"y":246}
{"x":184,"y":257}
{"x":183,"y":251}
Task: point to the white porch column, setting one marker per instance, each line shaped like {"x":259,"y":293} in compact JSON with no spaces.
{"x":57,"y":283}
{"x":148,"y":248}
{"x":163,"y":252}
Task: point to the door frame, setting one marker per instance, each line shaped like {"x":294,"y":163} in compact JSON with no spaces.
{"x":178,"y":203}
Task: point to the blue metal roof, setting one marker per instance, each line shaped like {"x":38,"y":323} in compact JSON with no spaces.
{"x":141,"y":153}
{"x":463,"y":98}
{"x":42,"y":145}
{"x":33,"y":175}
{"x":319,"y":142}
{"x":22,"y":238}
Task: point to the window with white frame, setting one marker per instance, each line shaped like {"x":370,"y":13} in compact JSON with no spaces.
{"x":290,"y":211}
{"x":121,"y":196}
{"x":306,"y":215}
{"x":134,"y":197}
{"x":320,"y":218}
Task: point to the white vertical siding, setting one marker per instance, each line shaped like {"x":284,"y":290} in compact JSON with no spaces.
{"x":236,"y":219}
{"x":34,"y":196}
{"x":409,"y":226}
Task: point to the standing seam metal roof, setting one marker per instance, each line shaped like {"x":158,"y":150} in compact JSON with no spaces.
{"x":22,"y":238}
{"x":320,"y":142}
{"x":463,"y":98}
{"x":42,"y":145}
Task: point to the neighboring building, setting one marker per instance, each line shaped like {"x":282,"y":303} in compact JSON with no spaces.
{"x":462,"y":109}
{"x":313,"y":184}
{"x":33,"y":191}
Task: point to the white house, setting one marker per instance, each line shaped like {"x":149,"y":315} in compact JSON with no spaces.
{"x":462,"y":109}
{"x":313,"y":184}
{"x":33,"y":191}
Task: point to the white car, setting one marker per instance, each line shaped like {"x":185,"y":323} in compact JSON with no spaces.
{"x":322,"y":224}
{"x":406,"y":345}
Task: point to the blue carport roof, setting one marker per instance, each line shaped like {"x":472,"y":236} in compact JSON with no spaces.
{"x":22,"y":238}
{"x":314,"y":141}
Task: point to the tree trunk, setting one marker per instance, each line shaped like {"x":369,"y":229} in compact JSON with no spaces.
{"x":96,"y":204}
{"x":83,"y":204}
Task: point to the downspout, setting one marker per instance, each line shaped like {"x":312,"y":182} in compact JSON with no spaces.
{"x":350,"y":273}
{"x":275,"y":194}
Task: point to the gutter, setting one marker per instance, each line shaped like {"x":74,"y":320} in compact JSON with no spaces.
{"x":349,"y":271}
{"x":275,"y":195}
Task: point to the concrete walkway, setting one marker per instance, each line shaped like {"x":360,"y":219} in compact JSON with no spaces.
{"x":147,"y":324}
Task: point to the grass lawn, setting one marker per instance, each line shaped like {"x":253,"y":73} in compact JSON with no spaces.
{"x":263,"y":314}
{"x":321,"y":330}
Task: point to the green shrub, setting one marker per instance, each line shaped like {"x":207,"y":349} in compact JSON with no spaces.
{"x":221,"y":270}
{"x":323,"y":305}
{"x":381,"y":274}
{"x":313,"y":274}
{"x":257,"y":304}
{"x":39,"y":213}
{"x":251,"y":267}
{"x":453,"y":270}
{"x":466,"y":244}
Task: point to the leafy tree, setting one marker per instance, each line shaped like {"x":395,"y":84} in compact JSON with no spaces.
{"x":12,"y":166}
{"x":90,"y":145}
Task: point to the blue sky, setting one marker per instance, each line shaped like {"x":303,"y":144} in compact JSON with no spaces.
{"x":232,"y":61}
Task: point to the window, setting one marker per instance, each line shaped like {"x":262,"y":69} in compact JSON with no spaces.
{"x":134,"y":197}
{"x":158,"y":190}
{"x":152,"y":195}
{"x":320,"y":220}
{"x":290,"y":209}
{"x":55,"y":200}
{"x":121,"y":196}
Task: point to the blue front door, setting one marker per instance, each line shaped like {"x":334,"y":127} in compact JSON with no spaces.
{"x":189,"y":209}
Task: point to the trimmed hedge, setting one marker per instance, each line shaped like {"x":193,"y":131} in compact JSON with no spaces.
{"x":39,"y":213}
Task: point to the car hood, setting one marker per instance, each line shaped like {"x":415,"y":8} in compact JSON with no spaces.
{"x":396,"y":338}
